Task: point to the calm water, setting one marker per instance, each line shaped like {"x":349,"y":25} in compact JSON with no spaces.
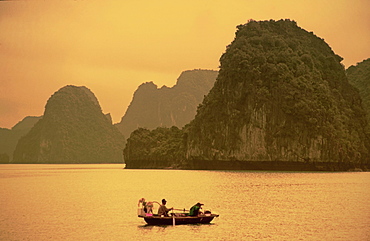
{"x":99,"y":202}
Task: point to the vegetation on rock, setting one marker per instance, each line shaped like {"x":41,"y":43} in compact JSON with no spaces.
{"x":159,"y":148}
{"x":281,"y":95}
{"x":359,"y":76}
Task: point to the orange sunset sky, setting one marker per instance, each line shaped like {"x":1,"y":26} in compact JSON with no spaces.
{"x":113,"y":46}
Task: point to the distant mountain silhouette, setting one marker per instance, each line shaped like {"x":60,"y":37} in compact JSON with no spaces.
{"x":73,"y":130}
{"x":9,"y":137}
{"x":165,"y":107}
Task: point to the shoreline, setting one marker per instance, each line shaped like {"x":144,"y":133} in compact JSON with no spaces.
{"x":253,"y":166}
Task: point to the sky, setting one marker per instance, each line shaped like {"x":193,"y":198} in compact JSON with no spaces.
{"x":112,"y":47}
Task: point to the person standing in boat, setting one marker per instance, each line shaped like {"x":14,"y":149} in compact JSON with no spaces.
{"x":146,"y":206}
{"x":163,"y":210}
{"x":143,"y":203}
{"x":149,"y":207}
{"x":195,"y":210}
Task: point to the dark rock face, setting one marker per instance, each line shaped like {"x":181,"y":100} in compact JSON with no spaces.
{"x":9,"y":137}
{"x":281,"y":95}
{"x":72,"y":130}
{"x":165,"y":107}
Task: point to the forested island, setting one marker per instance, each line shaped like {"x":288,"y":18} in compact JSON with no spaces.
{"x":281,"y":101}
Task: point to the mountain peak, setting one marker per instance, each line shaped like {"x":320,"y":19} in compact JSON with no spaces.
{"x":73,"y":130}
{"x":281,"y":94}
{"x":167,"y":106}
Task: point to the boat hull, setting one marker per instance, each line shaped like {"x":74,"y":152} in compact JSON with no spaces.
{"x":157,"y":220}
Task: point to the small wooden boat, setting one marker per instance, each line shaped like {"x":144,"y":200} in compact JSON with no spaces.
{"x":179,"y":218}
{"x":174,"y":218}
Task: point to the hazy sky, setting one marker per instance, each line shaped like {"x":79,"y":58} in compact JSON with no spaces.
{"x":112,"y":47}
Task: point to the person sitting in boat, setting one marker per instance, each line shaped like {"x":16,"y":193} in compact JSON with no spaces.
{"x":195,"y":210}
{"x":163,"y":210}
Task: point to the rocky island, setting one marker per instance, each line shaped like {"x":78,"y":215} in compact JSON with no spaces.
{"x":281,"y":101}
{"x":73,"y":129}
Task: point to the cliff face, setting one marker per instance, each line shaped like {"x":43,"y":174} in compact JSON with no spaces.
{"x":72,"y":130}
{"x":165,"y":107}
{"x":359,"y":76}
{"x":281,"y":95}
{"x":9,"y":137}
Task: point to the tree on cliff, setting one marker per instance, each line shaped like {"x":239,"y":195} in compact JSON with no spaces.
{"x":72,"y":130}
{"x":281,"y":95}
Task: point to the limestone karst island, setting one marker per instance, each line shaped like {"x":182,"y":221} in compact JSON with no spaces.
{"x":281,"y":100}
